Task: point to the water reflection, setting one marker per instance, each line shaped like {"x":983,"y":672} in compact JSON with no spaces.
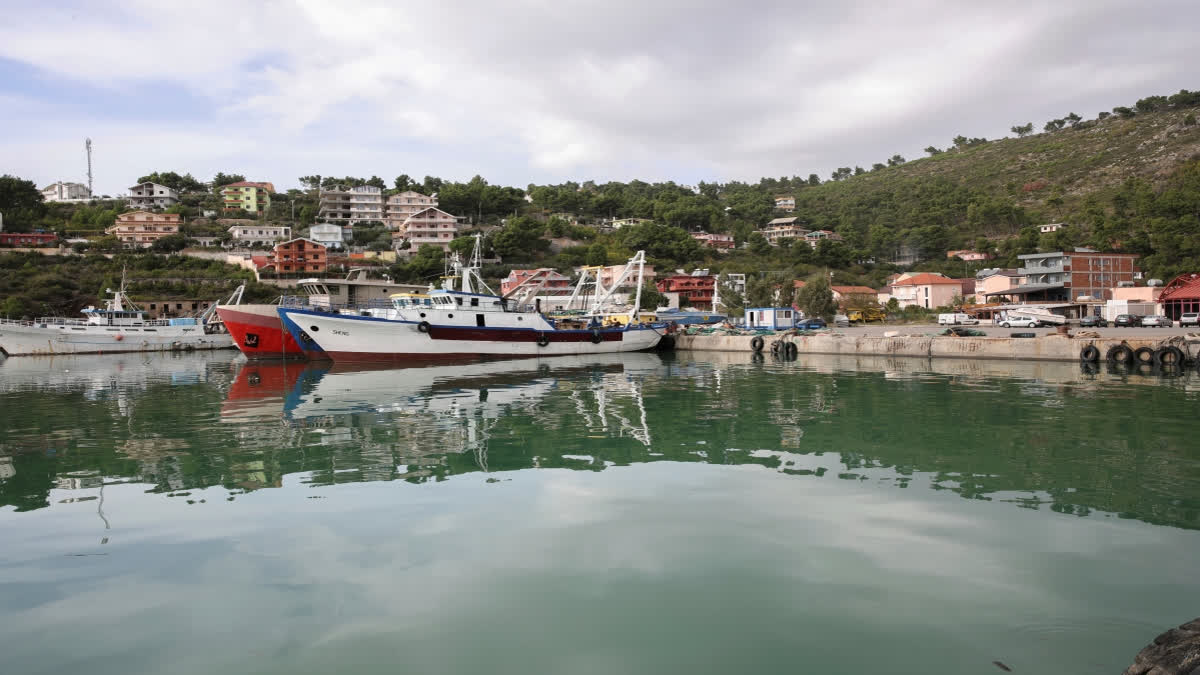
{"x":1043,"y":436}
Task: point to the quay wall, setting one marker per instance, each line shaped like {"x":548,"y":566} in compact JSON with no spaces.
{"x":1045,"y":348}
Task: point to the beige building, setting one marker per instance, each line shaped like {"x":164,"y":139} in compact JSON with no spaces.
{"x":785,"y":202}
{"x":783,"y":228}
{"x":925,"y":290}
{"x":351,"y":205}
{"x":996,"y":281}
{"x":265,"y":235}
{"x":142,"y":228}
{"x":427,"y":226}
{"x":401,"y":206}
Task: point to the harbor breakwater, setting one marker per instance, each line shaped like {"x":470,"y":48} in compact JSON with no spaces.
{"x":1052,"y":347}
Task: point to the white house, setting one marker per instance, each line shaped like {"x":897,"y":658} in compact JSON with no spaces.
{"x":66,"y":192}
{"x":266,"y":235}
{"x":332,"y":236}
{"x":774,"y":318}
{"x":152,"y":195}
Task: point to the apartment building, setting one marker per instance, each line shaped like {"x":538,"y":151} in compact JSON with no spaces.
{"x":785,"y":202}
{"x":264,"y":235}
{"x":143,"y":228}
{"x":351,"y":205}
{"x":554,"y":282}
{"x":693,"y":291}
{"x":400,"y":207}
{"x":427,"y":226}
{"x":66,"y":192}
{"x":151,"y":196}
{"x":300,"y":255}
{"x":1064,"y":276}
{"x":814,"y":238}
{"x":721,"y":242}
{"x":925,"y":290}
{"x":247,"y":196}
{"x":332,"y":236}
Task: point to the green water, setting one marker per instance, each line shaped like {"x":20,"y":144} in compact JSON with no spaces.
{"x":629,"y":514}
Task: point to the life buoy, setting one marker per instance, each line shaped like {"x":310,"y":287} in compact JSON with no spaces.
{"x":1144,"y":355}
{"x":757,"y":343}
{"x":1089,"y":354}
{"x":1119,"y":354}
{"x":423,"y":326}
{"x":1169,"y":356}
{"x":543,"y":340}
{"x":596,"y":337}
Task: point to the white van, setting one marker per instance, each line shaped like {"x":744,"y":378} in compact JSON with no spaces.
{"x":957,"y":320}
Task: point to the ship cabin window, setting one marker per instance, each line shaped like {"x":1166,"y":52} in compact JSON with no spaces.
{"x":458,"y":301}
{"x":474,"y":302}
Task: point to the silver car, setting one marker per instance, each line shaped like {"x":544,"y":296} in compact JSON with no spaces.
{"x":1189,"y":319}
{"x":1156,"y":320}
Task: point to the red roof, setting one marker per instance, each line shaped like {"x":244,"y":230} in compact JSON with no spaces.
{"x":854,"y":290}
{"x":799,"y":284}
{"x":1182,"y":287}
{"x":261,"y":261}
{"x":925,"y":279}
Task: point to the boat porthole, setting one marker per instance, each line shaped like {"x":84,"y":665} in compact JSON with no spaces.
{"x":314,"y":329}
{"x":422,"y":315}
{"x":450,"y":316}
{"x":520,"y":318}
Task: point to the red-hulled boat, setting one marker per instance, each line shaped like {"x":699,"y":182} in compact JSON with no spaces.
{"x":258,"y":332}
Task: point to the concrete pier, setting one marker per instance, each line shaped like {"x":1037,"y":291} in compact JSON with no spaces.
{"x":1045,"y":348}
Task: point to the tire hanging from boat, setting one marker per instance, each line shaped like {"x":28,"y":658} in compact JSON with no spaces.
{"x":1089,"y":354}
{"x":423,"y":326}
{"x":543,"y":340}
{"x":596,"y":338}
{"x":757,"y":343}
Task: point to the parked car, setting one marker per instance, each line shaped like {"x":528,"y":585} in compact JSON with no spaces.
{"x":1156,"y":320}
{"x":1093,"y":322}
{"x":1127,"y":320}
{"x":1018,"y":322}
{"x":841,"y":320}
{"x":1189,"y":319}
{"x":811,"y":324}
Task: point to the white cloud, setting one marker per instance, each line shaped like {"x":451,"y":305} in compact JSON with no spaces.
{"x":552,"y":91}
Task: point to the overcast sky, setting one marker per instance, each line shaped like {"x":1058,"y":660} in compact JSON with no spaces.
{"x":553,"y":90}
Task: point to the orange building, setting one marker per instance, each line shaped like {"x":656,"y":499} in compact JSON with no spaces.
{"x":300,"y":255}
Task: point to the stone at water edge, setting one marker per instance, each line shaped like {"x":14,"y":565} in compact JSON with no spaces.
{"x":1175,"y":652}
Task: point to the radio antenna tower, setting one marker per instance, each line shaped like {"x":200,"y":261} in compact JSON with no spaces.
{"x":87,"y":144}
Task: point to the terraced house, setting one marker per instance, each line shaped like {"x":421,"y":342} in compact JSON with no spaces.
{"x":248,"y":196}
{"x":351,"y":206}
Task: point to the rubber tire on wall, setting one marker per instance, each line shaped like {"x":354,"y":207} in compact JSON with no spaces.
{"x":1089,"y":354}
{"x":791,"y":348}
{"x":1125,"y":353}
{"x":1023,"y":335}
{"x":423,"y":326}
{"x":757,"y":343}
{"x":1176,"y":356}
{"x":1143,"y":355}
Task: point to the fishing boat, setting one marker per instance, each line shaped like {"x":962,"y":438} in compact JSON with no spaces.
{"x":258,"y":332}
{"x":688,"y":317}
{"x":121,"y":326}
{"x":470,"y":321}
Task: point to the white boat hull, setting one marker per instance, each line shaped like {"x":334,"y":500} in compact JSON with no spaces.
{"x":370,"y":339}
{"x":27,"y":339}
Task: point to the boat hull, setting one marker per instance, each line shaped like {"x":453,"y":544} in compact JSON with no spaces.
{"x":33,"y":339}
{"x":348,"y":338}
{"x":258,"y":332}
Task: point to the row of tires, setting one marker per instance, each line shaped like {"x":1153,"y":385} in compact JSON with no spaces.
{"x":1169,"y":355}
{"x":778,"y":347}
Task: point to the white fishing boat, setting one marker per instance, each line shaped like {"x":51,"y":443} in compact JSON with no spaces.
{"x":468,"y":322}
{"x":120,"y":327}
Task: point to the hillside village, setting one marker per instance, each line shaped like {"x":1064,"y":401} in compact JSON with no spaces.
{"x":1091,"y":213}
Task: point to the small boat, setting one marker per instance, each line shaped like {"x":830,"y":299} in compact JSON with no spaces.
{"x":120,"y":327}
{"x":470,"y":321}
{"x":682,"y":317}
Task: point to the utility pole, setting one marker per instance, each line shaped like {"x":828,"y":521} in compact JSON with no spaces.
{"x":87,"y":145}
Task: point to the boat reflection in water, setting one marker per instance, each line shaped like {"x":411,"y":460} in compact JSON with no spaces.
{"x":400,"y":421}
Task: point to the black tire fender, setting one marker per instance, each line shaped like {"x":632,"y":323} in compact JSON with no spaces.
{"x":792,"y":349}
{"x":1119,"y":354}
{"x":757,"y":343}
{"x":596,"y":337}
{"x":543,"y":340}
{"x":1169,"y":356}
{"x":1144,"y":355}
{"x":1089,"y":354}
{"x":423,"y":326}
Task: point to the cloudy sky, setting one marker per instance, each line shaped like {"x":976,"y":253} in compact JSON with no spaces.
{"x":552,"y":90}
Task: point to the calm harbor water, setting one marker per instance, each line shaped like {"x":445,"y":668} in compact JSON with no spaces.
{"x":626,"y":514}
